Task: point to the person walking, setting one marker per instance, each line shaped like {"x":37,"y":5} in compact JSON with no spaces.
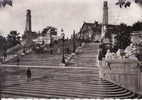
{"x":29,"y":74}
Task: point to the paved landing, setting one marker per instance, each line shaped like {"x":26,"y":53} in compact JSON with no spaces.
{"x":35,"y":59}
{"x":60,"y":83}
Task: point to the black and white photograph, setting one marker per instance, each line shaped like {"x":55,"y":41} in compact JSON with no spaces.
{"x":68,"y":49}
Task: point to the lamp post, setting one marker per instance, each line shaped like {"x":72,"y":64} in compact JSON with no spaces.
{"x":74,"y":45}
{"x":51,"y":42}
{"x":80,"y":42}
{"x":63,"y":40}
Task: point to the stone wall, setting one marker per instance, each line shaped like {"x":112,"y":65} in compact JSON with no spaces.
{"x":124,"y":72}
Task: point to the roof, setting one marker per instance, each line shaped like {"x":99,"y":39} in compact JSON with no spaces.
{"x":97,"y":27}
{"x":93,"y":26}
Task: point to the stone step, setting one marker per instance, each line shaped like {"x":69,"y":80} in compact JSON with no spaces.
{"x":97,"y":87}
{"x":40,"y":58}
{"x":87,"y":61}
{"x":29,"y":94}
{"x":103,"y":84}
{"x":38,"y":63}
{"x":65,"y":90}
{"x":83,"y":65}
{"x":73,"y":86}
{"x":69,"y":93}
{"x":84,"y":60}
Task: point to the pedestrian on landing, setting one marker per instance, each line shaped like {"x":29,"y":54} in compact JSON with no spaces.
{"x":18,"y":60}
{"x":29,"y":74}
{"x":24,"y":50}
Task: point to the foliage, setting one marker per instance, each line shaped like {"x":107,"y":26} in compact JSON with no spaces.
{"x":123,"y":3}
{"x":138,"y":1}
{"x":3,"y":3}
{"x":123,"y":37}
{"x":127,"y":3}
{"x":137,"y":26}
{"x":3,"y":44}
{"x":13,"y":39}
{"x":52,"y":30}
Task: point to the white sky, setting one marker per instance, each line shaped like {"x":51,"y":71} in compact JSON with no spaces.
{"x":66,"y":14}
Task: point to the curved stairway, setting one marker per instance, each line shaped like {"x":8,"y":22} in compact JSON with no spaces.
{"x":62,"y":83}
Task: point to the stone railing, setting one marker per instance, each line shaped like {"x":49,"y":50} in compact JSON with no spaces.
{"x":125,"y":72}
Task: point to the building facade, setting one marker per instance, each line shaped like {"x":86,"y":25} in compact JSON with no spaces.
{"x":90,"y":31}
{"x":93,"y":31}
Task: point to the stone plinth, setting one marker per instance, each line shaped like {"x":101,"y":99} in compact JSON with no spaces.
{"x":124,"y":72}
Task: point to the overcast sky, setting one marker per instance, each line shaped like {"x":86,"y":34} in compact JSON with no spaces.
{"x":66,"y":14}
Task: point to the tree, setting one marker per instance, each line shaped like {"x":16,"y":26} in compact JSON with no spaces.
{"x":137,"y":26}
{"x":123,"y":37}
{"x":3,"y":44}
{"x":3,"y":48}
{"x":13,"y":39}
{"x":138,"y":1}
{"x":3,"y":3}
{"x":123,"y":3}
{"x":52,"y":30}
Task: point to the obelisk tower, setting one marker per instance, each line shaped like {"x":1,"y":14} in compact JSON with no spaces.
{"x":105,"y":21}
{"x":28,"y":27}
{"x":105,"y":13}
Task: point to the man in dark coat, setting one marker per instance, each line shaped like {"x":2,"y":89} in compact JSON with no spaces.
{"x":29,"y":74}
{"x":18,"y":60}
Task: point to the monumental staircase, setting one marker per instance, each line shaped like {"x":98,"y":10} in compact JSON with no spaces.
{"x":80,"y":79}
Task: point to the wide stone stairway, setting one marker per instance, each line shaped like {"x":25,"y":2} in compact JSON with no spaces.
{"x":86,"y":57}
{"x":44,"y":59}
{"x":60,"y":83}
{"x":80,"y":79}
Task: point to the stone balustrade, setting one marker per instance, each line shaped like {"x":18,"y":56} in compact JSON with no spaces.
{"x":125,"y":72}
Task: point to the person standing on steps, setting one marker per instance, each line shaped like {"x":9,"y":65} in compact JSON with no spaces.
{"x":24,"y":50}
{"x":18,"y":60}
{"x":100,"y":58}
{"x":29,"y":74}
{"x":100,"y":55}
